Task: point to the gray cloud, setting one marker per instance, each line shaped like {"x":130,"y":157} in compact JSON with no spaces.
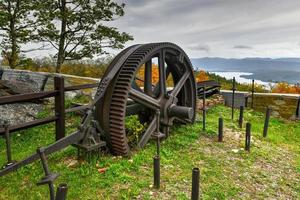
{"x":200,"y":47}
{"x":242,"y":47}
{"x":271,"y":26}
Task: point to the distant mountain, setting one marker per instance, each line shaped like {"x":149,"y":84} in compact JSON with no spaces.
{"x":265,"y":69}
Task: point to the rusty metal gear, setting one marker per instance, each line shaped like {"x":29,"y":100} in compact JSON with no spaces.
{"x":124,"y":97}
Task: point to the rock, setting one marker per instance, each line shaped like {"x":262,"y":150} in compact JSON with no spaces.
{"x":210,"y":102}
{"x":235,"y":150}
{"x":14,"y":87}
{"x":19,"y":113}
{"x":36,"y":81}
{"x":72,"y":94}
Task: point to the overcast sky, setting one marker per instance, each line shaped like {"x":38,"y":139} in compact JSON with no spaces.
{"x":216,"y":28}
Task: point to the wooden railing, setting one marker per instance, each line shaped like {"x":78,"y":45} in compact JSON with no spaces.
{"x":59,"y":106}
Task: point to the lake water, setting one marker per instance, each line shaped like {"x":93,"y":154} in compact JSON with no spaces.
{"x":239,"y":79}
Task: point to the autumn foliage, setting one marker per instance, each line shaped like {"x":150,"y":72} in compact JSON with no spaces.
{"x":155,"y":76}
{"x":201,"y":76}
{"x":284,"y":87}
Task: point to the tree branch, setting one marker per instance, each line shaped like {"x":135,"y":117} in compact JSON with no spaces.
{"x":36,"y":49}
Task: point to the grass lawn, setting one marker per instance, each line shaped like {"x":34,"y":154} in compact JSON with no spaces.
{"x":270,"y":171}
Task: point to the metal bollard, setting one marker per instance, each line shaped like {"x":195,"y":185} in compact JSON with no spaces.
{"x":158,"y":132}
{"x":241,"y":118}
{"x":248,"y":137}
{"x":195,"y":183}
{"x":233,"y":96}
{"x":220,"y":135}
{"x":252,"y":94}
{"x":298,"y":109}
{"x":61,"y":193}
{"x":156,"y":171}
{"x":204,"y":109}
{"x":267,"y":120}
{"x":204,"y":120}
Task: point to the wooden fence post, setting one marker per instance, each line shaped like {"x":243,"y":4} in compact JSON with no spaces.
{"x":59,"y":107}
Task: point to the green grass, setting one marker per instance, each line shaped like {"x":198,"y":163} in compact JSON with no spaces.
{"x":270,"y":170}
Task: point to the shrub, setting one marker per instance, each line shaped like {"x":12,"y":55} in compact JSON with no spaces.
{"x":134,"y":129}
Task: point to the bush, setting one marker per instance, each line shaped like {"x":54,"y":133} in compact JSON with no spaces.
{"x":134,"y":129}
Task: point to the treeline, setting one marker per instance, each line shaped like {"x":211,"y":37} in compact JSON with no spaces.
{"x":88,"y":67}
{"x":74,"y":30}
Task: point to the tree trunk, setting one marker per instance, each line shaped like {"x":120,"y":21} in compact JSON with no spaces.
{"x":62,"y":39}
{"x":13,"y":55}
{"x":14,"y":52}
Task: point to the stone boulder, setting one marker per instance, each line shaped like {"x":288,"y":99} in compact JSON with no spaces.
{"x":36,"y":81}
{"x":210,"y":102}
{"x":17,"y":113}
{"x":14,"y":87}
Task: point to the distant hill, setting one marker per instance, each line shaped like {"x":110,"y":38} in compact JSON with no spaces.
{"x":265,"y":69}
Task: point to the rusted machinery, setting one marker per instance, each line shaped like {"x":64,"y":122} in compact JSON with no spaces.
{"x":128,"y":88}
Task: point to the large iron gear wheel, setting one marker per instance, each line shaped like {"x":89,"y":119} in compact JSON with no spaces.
{"x":124,"y":97}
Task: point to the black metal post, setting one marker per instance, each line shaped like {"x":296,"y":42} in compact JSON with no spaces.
{"x":267,"y":120}
{"x":42,"y":155}
{"x":241,"y":118}
{"x":204,"y":120}
{"x":233,"y":97}
{"x":195,"y":184}
{"x":61,"y":193}
{"x":248,"y":137}
{"x":298,"y":109}
{"x":220,"y":135}
{"x":252,"y":94}
{"x":204,"y":109}
{"x":158,"y":132}
{"x":156,"y":171}
{"x":246,"y":101}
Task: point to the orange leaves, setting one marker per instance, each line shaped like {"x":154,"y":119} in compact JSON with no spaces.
{"x":201,"y":76}
{"x":284,"y":87}
{"x":140,"y":75}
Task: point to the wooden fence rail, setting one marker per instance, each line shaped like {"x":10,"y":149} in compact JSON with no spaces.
{"x":59,"y":103}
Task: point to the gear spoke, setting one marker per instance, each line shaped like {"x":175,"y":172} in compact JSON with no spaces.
{"x":147,"y":135}
{"x":180,"y":84}
{"x":162,"y":73}
{"x":148,"y":78}
{"x":144,"y":99}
